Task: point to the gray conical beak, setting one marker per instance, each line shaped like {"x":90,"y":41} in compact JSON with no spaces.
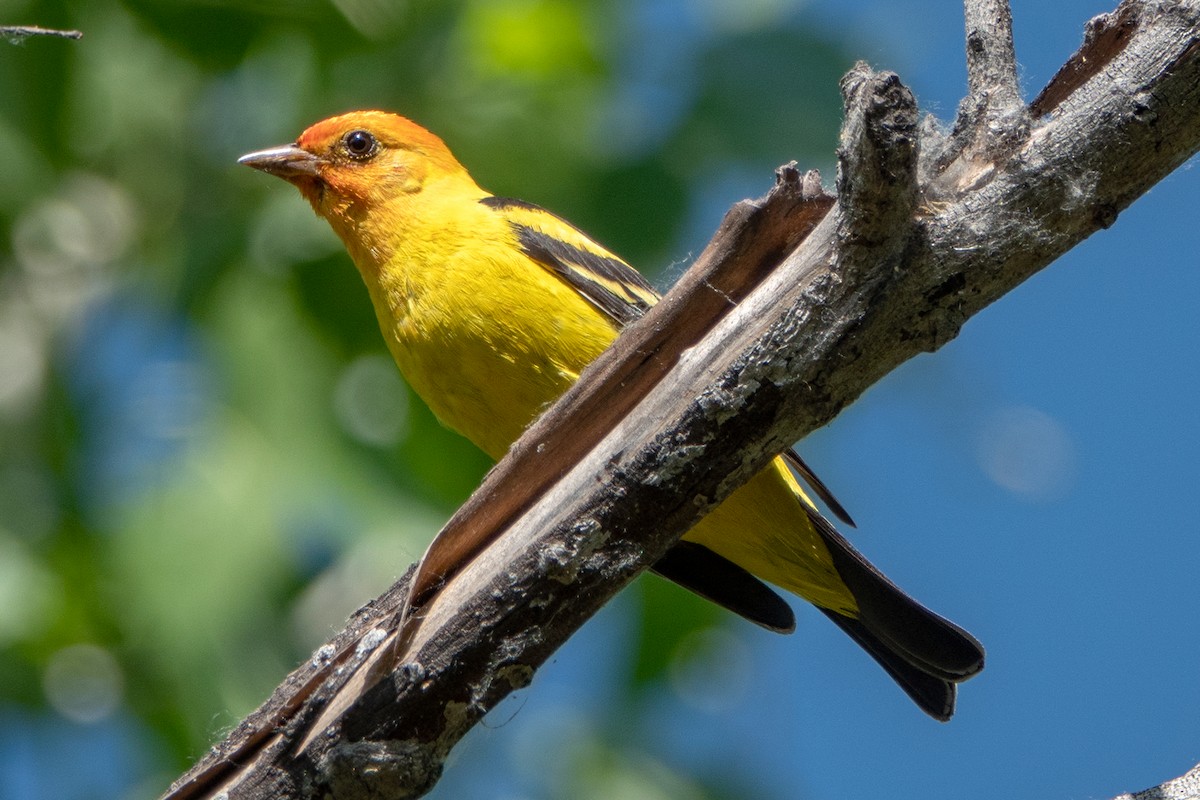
{"x":287,"y":162}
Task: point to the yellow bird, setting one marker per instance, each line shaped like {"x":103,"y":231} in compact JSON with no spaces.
{"x":492,"y":306}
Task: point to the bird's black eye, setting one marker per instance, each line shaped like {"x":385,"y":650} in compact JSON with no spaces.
{"x":360,"y":145}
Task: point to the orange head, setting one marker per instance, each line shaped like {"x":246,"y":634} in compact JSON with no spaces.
{"x":362,"y":166}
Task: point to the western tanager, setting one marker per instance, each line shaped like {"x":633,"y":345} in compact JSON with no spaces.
{"x":492,"y":306}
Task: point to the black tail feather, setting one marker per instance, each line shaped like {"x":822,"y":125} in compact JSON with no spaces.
{"x":896,"y":621}
{"x":934,"y":695}
{"x":695,"y":567}
{"x":924,"y":653}
{"x":793,"y":460}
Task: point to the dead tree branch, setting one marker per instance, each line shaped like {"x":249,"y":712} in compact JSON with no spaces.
{"x":797,"y":307}
{"x":1185,"y":787}
{"x":18,"y":33}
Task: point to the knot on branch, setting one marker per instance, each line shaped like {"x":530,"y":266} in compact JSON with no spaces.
{"x":383,"y":770}
{"x":804,"y":187}
{"x":877,"y":156}
{"x":992,"y":121}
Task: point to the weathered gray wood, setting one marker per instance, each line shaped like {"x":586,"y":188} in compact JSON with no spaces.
{"x":1185,"y":787}
{"x":927,"y":231}
{"x":18,"y":33}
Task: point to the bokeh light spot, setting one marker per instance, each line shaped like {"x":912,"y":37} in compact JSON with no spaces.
{"x":84,"y":683}
{"x":1027,"y":452}
{"x":22,"y":361}
{"x":532,"y":38}
{"x":29,"y":592}
{"x":370,"y":401}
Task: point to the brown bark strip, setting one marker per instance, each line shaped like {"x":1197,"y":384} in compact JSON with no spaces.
{"x":1103,"y":40}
